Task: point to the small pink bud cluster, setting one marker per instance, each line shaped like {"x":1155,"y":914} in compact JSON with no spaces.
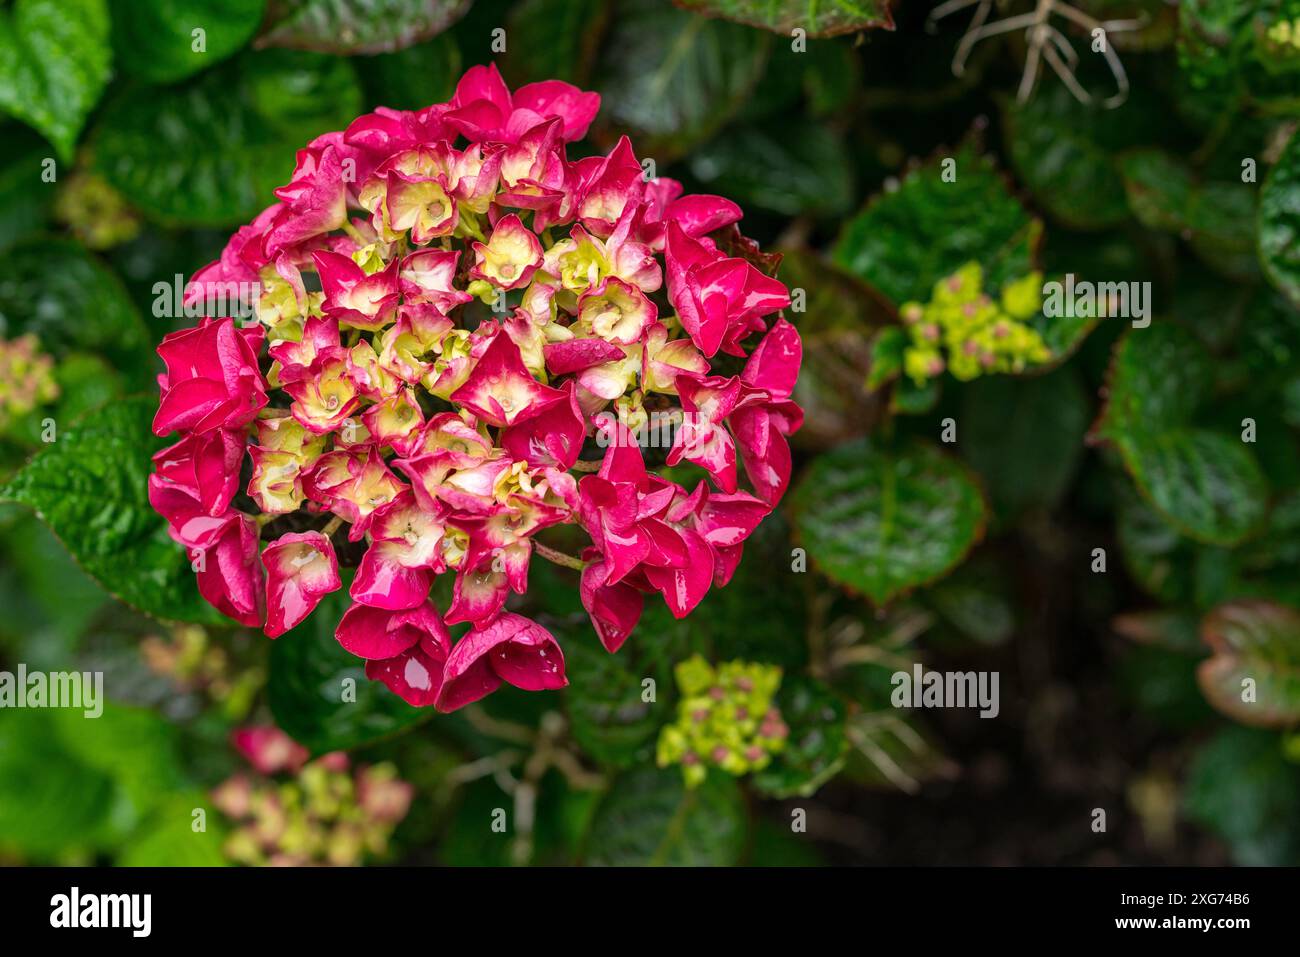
{"x":445,"y":434}
{"x":295,"y":812}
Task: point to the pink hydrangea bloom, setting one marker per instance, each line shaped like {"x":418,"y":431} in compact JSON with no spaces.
{"x":458,"y":334}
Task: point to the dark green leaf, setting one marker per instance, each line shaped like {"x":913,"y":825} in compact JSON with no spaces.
{"x":814,"y":752}
{"x":1205,"y":484}
{"x":882,"y":522}
{"x":155,"y":39}
{"x":25,"y":199}
{"x":673,"y":77}
{"x":796,"y":167}
{"x":1025,"y":436}
{"x":1158,"y":188}
{"x":1279,"y":223}
{"x":816,"y":19}
{"x":562,"y":40}
{"x":650,"y":817}
{"x":358,"y":26}
{"x":1242,"y":788}
{"x":905,"y":241}
{"x":607,"y":715}
{"x":71,"y":302}
{"x":319,"y":693}
{"x":90,"y":487}
{"x":413,"y":78}
{"x":54,"y":64}
{"x":211,"y":153}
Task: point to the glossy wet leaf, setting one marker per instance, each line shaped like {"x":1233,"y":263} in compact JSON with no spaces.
{"x":70,"y":301}
{"x":90,"y":487}
{"x":54,"y":64}
{"x":357,"y":26}
{"x":881,"y":521}
{"x":1206,"y":484}
{"x":1279,"y":223}
{"x":211,"y":153}
{"x":905,"y":241}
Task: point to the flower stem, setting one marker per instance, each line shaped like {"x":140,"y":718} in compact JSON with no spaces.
{"x":586,"y":465}
{"x":559,"y":558}
{"x":332,"y":526}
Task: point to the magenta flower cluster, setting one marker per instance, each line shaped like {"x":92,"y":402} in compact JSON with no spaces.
{"x":445,"y":434}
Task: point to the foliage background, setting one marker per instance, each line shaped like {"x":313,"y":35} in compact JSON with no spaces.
{"x":973,"y":557}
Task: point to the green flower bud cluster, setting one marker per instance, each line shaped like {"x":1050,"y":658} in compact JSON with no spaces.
{"x":96,"y":213}
{"x":726,"y":719}
{"x":324,"y":816}
{"x":26,"y":379}
{"x":978,"y":333}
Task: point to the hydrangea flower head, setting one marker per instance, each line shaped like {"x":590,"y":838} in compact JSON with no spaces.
{"x":458,"y":330}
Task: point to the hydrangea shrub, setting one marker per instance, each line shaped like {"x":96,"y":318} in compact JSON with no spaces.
{"x":448,"y":311}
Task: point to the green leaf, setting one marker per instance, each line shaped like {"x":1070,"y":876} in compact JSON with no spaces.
{"x":607,"y":715}
{"x":793,"y":167}
{"x":674,"y":78}
{"x":650,"y":817}
{"x":358,"y":26}
{"x":1222,"y":219}
{"x":25,"y":200}
{"x":135,"y":746}
{"x":49,"y":800}
{"x":1242,"y":788}
{"x":1065,"y":152}
{"x":168,"y":838}
{"x":310,"y":677}
{"x":91,"y":488}
{"x":1205,"y":484}
{"x":905,"y":241}
{"x":814,"y":752}
{"x":1257,"y":641}
{"x":1279,"y":223}
{"x":976,"y":604}
{"x":211,"y":153}
{"x":563,"y":40}
{"x":54,"y":64}
{"x":881,"y":521}
{"x":413,"y":78}
{"x":1158,"y":378}
{"x":62,"y":294}
{"x":814,"y":18}
{"x":155,"y":39}
{"x":1025,"y":436}
{"x":1158,"y":188}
